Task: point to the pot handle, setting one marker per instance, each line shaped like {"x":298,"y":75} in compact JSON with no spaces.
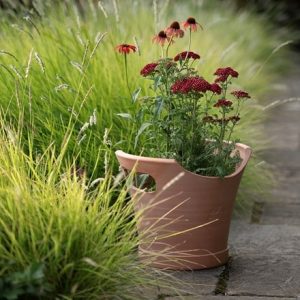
{"x":155,"y":167}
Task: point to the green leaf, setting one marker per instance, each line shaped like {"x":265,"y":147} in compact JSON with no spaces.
{"x":135,"y":95}
{"x":157,"y":82}
{"x":125,"y":115}
{"x":159,"y":105}
{"x":143,"y":127}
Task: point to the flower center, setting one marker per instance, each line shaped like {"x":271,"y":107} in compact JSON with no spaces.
{"x":162,"y":35}
{"x":191,"y":21}
{"x":175,"y":25}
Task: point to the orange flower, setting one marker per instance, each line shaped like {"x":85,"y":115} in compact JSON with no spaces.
{"x":161,"y":38}
{"x":192,"y":24}
{"x":125,"y":48}
{"x":174,"y":30}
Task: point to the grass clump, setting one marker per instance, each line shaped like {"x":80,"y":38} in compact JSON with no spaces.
{"x":61,"y":235}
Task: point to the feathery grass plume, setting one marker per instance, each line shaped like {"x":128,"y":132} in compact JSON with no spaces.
{"x":100,"y":5}
{"x":27,"y":70}
{"x":116,"y":10}
{"x":39,"y":61}
{"x":155,"y":13}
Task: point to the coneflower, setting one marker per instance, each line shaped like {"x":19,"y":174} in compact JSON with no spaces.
{"x":126,"y":49}
{"x":174,"y":30}
{"x":191,"y":24}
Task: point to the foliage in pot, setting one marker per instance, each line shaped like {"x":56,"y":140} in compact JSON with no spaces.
{"x":189,"y":122}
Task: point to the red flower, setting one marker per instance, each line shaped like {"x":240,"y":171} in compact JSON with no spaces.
{"x":192,"y":24}
{"x":148,"y":69}
{"x":240,"y":94}
{"x":223,"y":103}
{"x":174,"y":30}
{"x":161,"y":38}
{"x":186,"y":55}
{"x":125,"y":48}
{"x":215,"y":88}
{"x":224,"y":73}
{"x":221,"y":79}
{"x":190,"y":84}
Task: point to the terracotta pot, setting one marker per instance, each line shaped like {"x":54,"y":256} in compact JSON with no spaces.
{"x":185,"y":222}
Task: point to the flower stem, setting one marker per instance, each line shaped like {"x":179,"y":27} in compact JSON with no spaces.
{"x":162,"y":51}
{"x":126,"y":73}
{"x":170,"y":42}
{"x":190,"y":40}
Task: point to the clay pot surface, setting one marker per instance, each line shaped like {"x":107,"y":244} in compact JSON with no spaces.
{"x":185,"y":222}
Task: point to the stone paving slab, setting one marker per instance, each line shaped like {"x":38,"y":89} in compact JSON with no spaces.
{"x":269,"y":240}
{"x":277,"y":213}
{"x":283,"y":127}
{"x":202,"y":282}
{"x":287,"y":160}
{"x":265,"y":275}
{"x":229,"y":298}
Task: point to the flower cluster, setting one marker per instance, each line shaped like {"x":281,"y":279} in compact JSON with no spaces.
{"x":223,"y":103}
{"x":240,"y":94}
{"x":186,"y":55}
{"x":148,"y":69}
{"x":174,"y":31}
{"x":190,"y":85}
{"x":215,"y":88}
{"x":224,"y":73}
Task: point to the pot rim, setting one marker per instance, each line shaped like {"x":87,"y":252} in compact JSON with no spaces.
{"x":144,"y":159}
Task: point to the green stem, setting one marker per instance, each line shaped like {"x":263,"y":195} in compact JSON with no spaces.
{"x":237,"y":112}
{"x":190,"y":40}
{"x":193,"y":122}
{"x":126,"y":74}
{"x":169,"y":44}
{"x":222,"y":135}
{"x":162,"y":51}
{"x":189,"y":49}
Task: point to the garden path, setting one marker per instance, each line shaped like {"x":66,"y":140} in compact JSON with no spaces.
{"x":265,"y":251}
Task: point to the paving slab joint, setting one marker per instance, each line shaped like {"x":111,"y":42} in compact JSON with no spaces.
{"x":221,"y":286}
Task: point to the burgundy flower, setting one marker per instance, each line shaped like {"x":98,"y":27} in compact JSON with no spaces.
{"x":215,"y":88}
{"x":191,"y":23}
{"x":221,"y":79}
{"x":186,"y":55}
{"x":148,"y":69}
{"x":174,"y":30}
{"x":240,"y":94}
{"x":223,"y":103}
{"x":125,"y":48}
{"x":190,"y":84}
{"x":224,"y":73}
{"x":161,"y":38}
